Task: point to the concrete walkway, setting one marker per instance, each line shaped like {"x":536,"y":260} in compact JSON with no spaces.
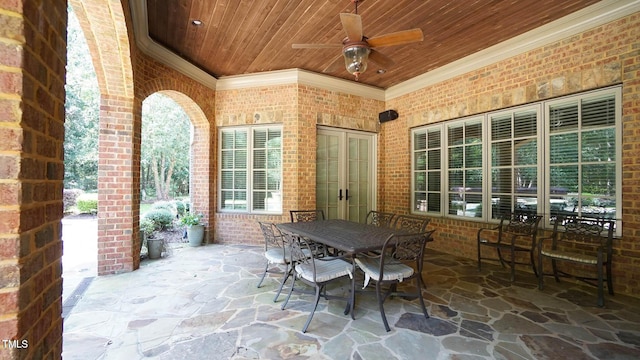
{"x":202,"y":303}
{"x":80,"y":254}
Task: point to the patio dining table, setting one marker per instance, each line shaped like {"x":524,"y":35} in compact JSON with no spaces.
{"x":348,"y":237}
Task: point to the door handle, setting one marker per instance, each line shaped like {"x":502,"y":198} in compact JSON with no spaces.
{"x":346,"y":197}
{"x":340,"y":195}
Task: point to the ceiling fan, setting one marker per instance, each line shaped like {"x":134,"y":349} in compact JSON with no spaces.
{"x":357,"y":49}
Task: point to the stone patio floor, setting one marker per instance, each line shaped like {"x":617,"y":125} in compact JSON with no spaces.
{"x":202,"y":303}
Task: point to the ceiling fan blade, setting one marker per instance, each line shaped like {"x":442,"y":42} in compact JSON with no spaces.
{"x":380,"y":59}
{"x":352,"y":24}
{"x":334,"y":65}
{"x":396,"y":38}
{"x":315,"y":46}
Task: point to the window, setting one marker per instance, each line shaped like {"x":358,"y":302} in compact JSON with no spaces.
{"x":514,"y":161}
{"x":555,"y":157}
{"x":583,"y":172}
{"x":464,"y":164}
{"x":427,"y":170}
{"x":251,"y":169}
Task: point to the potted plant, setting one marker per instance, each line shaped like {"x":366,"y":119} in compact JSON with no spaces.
{"x":195,"y":228}
{"x":154,"y":243}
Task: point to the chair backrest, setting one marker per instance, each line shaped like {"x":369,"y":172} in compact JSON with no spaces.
{"x":586,"y":231}
{"x":272,"y":235}
{"x":378,"y":218}
{"x":411,"y":223}
{"x":520,"y":223}
{"x":405,"y":248}
{"x":306,"y":215}
{"x":298,"y":249}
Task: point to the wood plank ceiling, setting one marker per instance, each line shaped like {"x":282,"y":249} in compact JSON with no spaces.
{"x":244,"y":36}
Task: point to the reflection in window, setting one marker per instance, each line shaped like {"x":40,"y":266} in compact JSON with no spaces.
{"x":251,"y":169}
{"x":582,"y":172}
{"x":514,"y":161}
{"x":464,"y":163}
{"x":427,"y":170}
{"x":554,"y":157}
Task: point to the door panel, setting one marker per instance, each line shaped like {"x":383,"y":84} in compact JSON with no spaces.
{"x":345,"y":173}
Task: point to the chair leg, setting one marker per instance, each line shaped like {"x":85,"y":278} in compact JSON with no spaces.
{"x":381,"y":306}
{"x":420,"y":285}
{"x":541,"y":273}
{"x":600,"y":282}
{"x":266,"y":268}
{"x":286,"y":275}
{"x":352,"y":296}
{"x":609,"y":277}
{"x":286,"y":301}
{"x":318,"y":291}
{"x":533,"y":263}
{"x":500,"y":256}
{"x":479,"y":257}
{"x":513,"y":265}
{"x":555,"y":270}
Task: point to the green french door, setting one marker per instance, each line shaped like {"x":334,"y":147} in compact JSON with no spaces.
{"x":345,"y":173}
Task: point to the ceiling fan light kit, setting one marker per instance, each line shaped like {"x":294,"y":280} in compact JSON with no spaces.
{"x":357,"y":49}
{"x":355,"y":59}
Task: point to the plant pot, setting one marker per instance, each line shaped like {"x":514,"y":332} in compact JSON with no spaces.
{"x":195,"y":234}
{"x":154,"y":247}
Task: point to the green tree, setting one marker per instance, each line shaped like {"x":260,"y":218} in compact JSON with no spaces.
{"x":82,"y":112}
{"x":166,"y":131}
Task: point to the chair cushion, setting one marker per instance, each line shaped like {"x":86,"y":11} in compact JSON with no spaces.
{"x":394,"y":270}
{"x":325,"y":270}
{"x":280,"y":256}
{"x":571,"y":256}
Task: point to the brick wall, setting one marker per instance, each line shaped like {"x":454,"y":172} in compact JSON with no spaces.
{"x":602,"y":56}
{"x":300,"y":109}
{"x":32,"y":76}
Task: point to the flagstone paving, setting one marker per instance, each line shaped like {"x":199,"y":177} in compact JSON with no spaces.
{"x":203,"y":303}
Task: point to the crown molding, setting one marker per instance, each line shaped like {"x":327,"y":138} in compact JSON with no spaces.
{"x":159,"y":52}
{"x":580,"y":21}
{"x":595,"y":15}
{"x":300,"y":77}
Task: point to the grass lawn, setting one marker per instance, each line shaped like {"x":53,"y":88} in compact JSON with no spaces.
{"x":144,"y":208}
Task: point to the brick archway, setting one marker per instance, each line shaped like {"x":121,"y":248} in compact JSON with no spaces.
{"x":119,"y":134}
{"x":122,"y":94}
{"x":201,"y":146}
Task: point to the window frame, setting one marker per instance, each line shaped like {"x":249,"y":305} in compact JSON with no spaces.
{"x":250,"y":170}
{"x":543,"y":193}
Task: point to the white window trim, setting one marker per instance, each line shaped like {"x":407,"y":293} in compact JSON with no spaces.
{"x":250,"y":170}
{"x":542,"y":108}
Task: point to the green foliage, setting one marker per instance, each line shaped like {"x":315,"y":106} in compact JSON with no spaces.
{"x":166,"y":205}
{"x":70,"y":197}
{"x":82,"y":108}
{"x":147,"y":226}
{"x":180,"y":207}
{"x":88,"y":203}
{"x":190,"y":219}
{"x":162,"y":218}
{"x":166,"y":131}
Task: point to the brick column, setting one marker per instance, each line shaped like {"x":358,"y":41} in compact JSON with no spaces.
{"x":32,"y":76}
{"x":118,"y":187}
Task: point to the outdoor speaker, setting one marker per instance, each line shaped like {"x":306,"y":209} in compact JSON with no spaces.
{"x":387,"y":115}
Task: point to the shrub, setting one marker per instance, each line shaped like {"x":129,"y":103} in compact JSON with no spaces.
{"x":166,"y":205}
{"x":70,"y":197}
{"x":162,"y":218}
{"x":147,"y":226}
{"x":180,"y":207}
{"x":88,"y":203}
